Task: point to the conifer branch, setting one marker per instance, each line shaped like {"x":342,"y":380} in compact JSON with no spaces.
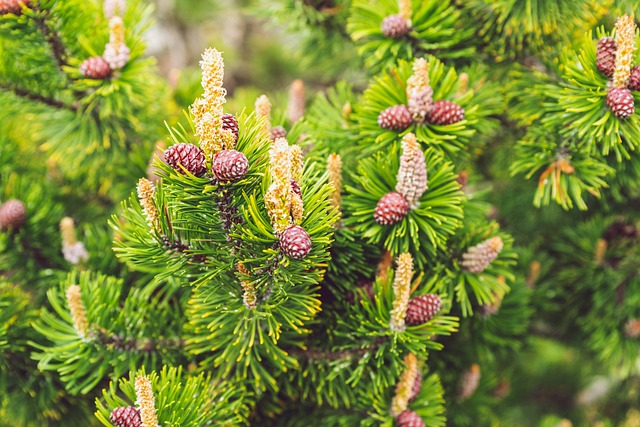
{"x":144,"y":345}
{"x":32,"y":96}
{"x":331,"y":355}
{"x":52,"y":38}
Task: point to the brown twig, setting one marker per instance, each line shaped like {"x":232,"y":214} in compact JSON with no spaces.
{"x":27,"y":94}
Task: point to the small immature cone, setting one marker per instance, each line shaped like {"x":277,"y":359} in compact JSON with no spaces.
{"x":263,"y":111}
{"x":419,"y":92}
{"x":334,"y":167}
{"x":409,"y":418}
{"x":13,"y":214}
{"x":146,"y":191}
{"x":601,"y":250}
{"x":72,"y":250}
{"x":295,"y":109}
{"x":626,"y":40}
{"x":534,"y":273}
{"x":401,"y":290}
{"x":116,"y":52}
{"x":478,"y":257}
{"x":469,"y":382}
{"x":207,"y":111}
{"x":463,"y":83}
{"x":125,"y":416}
{"x":606,"y":56}
{"x":146,"y":402}
{"x":404,"y":388}
{"x":412,"y":174}
{"x":632,"y":328}
{"x":249,"y":296}
{"x":78,"y":312}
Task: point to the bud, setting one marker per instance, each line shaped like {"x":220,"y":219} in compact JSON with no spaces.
{"x":207,"y":111}
{"x":626,"y":40}
{"x":146,"y":192}
{"x":412,"y":174}
{"x":146,"y":401}
{"x":419,"y":92}
{"x":477,"y":258}
{"x":263,"y":111}
{"x":469,"y":382}
{"x":72,"y":250}
{"x":78,"y":312}
{"x":116,"y":52}
{"x":249,"y":296}
{"x":404,"y":388}
{"x":401,"y":290}
{"x":295,"y":109}
{"x":405,"y":10}
{"x":113,"y":7}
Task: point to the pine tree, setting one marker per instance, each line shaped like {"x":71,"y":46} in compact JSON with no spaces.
{"x":343,"y":258}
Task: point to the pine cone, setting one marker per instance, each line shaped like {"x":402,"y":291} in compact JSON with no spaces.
{"x":620,"y":102}
{"x":278,"y":132}
{"x":397,"y":117}
{"x":12,"y":6}
{"x":125,"y":416}
{"x":606,"y":56}
{"x":230,"y":165}
{"x":478,"y":257}
{"x":95,"y":68}
{"x":229,"y":122}
{"x":417,"y":386}
{"x":632,"y":328}
{"x":634,"y":79}
{"x":295,"y":242}
{"x":189,"y":156}
{"x":391,"y":208}
{"x":445,"y":113}
{"x":422,"y":308}
{"x":12,"y":214}
{"x":394,"y":26}
{"x":408,"y":418}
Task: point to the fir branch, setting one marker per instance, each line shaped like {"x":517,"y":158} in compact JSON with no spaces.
{"x":27,"y":94}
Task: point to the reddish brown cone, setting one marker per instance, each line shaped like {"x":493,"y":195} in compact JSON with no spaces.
{"x":606,"y":56}
{"x":422,"y":309}
{"x":391,"y":208}
{"x":95,"y":68}
{"x":189,"y":156}
{"x":408,"y":418}
{"x":230,"y":165}
{"x":620,"y":102}
{"x":394,"y":26}
{"x":12,"y":214}
{"x":397,"y":117}
{"x":634,"y":79}
{"x":295,"y":242}
{"x":125,"y":416}
{"x":278,"y":132}
{"x":229,"y":122}
{"x":295,"y":187}
{"x":445,"y":113}
{"x":12,"y":6}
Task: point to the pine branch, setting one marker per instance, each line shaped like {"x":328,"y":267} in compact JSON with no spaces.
{"x":27,"y":94}
{"x":329,"y":355}
{"x":52,"y":38}
{"x":108,"y":339}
